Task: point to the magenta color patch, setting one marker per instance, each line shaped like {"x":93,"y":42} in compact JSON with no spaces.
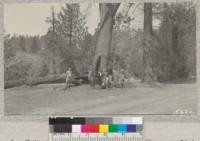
{"x":85,"y":128}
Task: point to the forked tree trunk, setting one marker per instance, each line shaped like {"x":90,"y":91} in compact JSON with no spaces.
{"x":148,"y":73}
{"x":107,"y":14}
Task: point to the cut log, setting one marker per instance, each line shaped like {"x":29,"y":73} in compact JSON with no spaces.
{"x":14,"y":83}
{"x":76,"y":80}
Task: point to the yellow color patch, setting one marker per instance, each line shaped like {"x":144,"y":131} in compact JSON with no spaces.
{"x":103,"y":128}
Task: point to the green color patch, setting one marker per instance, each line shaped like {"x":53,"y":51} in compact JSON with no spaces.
{"x":112,"y":128}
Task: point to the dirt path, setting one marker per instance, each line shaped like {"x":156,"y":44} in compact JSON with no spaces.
{"x":135,"y":99}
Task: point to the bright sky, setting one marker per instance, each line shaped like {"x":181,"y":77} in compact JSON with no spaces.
{"x":29,"y":19}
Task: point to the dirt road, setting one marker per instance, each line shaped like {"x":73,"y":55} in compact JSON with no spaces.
{"x":134,"y":99}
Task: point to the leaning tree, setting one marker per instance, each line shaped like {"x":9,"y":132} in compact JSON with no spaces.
{"x":107,"y":15}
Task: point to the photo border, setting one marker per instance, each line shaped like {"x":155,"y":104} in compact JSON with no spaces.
{"x":151,"y":117}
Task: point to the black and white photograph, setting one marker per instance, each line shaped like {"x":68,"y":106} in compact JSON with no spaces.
{"x":96,"y":58}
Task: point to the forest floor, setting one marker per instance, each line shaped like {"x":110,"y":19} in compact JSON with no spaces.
{"x":136,"y":98}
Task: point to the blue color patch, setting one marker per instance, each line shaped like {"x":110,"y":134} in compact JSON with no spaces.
{"x":131,"y":128}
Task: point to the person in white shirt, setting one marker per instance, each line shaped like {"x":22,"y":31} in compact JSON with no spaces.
{"x":68,"y":78}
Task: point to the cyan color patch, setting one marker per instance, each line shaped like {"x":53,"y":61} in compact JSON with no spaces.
{"x":122,"y":128}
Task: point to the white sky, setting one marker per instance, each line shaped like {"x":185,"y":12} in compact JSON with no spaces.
{"x":29,"y":18}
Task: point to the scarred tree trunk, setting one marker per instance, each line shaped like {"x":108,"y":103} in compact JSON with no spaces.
{"x":148,"y":73}
{"x":107,"y":14}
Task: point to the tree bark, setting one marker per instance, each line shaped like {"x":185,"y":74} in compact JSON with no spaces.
{"x":70,"y":52}
{"x":107,"y":14}
{"x":148,"y":73}
{"x":175,"y":53}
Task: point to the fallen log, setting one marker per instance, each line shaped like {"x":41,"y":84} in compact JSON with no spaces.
{"x":14,"y":83}
{"x":76,"y":80}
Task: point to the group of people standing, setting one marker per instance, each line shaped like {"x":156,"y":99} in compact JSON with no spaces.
{"x":107,"y":79}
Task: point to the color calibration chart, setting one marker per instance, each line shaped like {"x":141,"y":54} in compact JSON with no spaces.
{"x":96,"y":129}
